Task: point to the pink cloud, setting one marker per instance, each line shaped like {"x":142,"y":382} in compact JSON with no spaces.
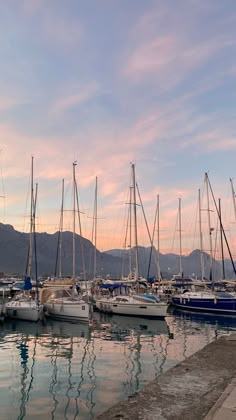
{"x":151,"y":56}
{"x":165,"y":45}
{"x":68,"y":101}
{"x":170,"y":58}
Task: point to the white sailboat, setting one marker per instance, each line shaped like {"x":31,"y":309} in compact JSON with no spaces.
{"x":132,"y":304}
{"x":25,"y":306}
{"x":62,"y":301}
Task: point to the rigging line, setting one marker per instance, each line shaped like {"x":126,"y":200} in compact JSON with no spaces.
{"x":202,"y":265}
{"x":135,"y":222}
{"x":195,"y":225}
{"x":221,"y":245}
{"x":145,"y":219}
{"x":223,"y":231}
{"x":126,"y":236}
{"x":35,"y":245}
{"x":152,"y":240}
{"x":215,"y":250}
{"x":81,"y":237}
{"x":59,"y":239}
{"x":233,"y":196}
{"x":93,"y":235}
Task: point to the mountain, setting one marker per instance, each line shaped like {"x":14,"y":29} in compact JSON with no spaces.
{"x":14,"y":250}
{"x":14,"y":247}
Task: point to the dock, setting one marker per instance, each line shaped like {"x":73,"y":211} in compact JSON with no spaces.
{"x":202,"y":387}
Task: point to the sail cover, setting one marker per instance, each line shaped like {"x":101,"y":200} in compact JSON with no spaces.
{"x":28,"y":284}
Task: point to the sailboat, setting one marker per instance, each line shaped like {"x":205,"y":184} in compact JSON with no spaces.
{"x":61,"y":300}
{"x":126,"y":303}
{"x":25,"y":306}
{"x":179,"y":280}
{"x":209,"y":300}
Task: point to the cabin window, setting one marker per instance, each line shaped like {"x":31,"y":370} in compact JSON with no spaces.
{"x":83,"y":308}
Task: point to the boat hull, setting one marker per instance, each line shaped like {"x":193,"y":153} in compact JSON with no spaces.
{"x":216,"y":305}
{"x":133,"y":309}
{"x":68,"y":311}
{"x":26,"y":312}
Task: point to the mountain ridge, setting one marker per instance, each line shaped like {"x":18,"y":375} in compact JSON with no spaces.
{"x":111,"y":263}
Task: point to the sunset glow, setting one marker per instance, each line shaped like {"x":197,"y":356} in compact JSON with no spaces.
{"x":109,"y":83}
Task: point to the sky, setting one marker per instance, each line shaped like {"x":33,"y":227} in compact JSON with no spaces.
{"x":106,"y":83}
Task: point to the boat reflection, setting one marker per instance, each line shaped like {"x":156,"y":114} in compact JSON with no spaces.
{"x":67,"y":353}
{"x":119,"y":327}
{"x":221,"y":322}
{"x":67,"y":370}
{"x":144,"y":342}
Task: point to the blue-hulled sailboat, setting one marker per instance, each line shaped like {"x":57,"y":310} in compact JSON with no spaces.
{"x":209,"y":300}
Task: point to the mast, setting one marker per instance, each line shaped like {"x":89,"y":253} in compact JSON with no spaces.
{"x":221,"y":243}
{"x":29,"y":270}
{"x":95,"y":229}
{"x":225,"y":238}
{"x":74,"y":198}
{"x":200,"y":235}
{"x":157,"y":260}
{"x":61,"y":228}
{"x":158,"y":239}
{"x":209,"y":223}
{"x":180,"y":242}
{"x":59,"y":240}
{"x":130,"y":232}
{"x":135,"y":222}
{"x":233,"y":195}
{"x":35,"y":245}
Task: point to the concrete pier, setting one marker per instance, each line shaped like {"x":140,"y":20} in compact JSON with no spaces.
{"x":201,"y":387}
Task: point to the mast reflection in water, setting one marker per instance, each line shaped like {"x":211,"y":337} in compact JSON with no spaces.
{"x":75,"y":371}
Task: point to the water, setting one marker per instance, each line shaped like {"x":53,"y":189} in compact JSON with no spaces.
{"x":60,"y":370}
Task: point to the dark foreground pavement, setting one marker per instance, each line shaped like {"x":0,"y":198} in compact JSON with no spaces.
{"x":188,"y":391}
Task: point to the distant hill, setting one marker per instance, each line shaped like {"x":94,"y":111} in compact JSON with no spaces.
{"x":14,"y":250}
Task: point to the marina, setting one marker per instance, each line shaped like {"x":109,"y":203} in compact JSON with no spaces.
{"x":117,"y":210}
{"x":64,"y":370}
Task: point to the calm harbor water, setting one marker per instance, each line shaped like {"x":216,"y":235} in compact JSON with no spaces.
{"x":59,"y":370}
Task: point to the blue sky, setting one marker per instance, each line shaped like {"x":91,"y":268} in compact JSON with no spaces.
{"x":107,"y":83}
